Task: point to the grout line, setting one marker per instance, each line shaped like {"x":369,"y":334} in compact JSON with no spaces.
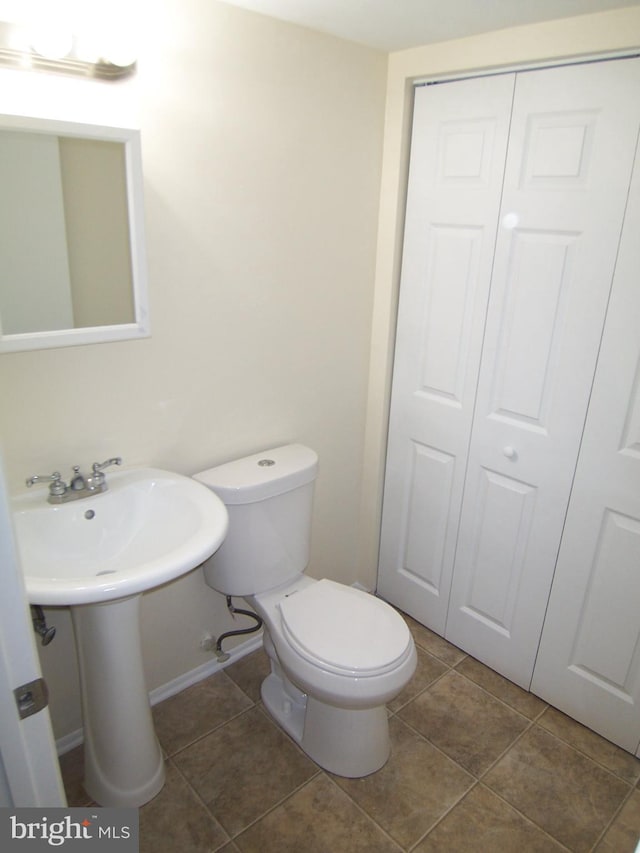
{"x":202,"y":802}
{"x":454,"y":668}
{"x":363,"y":811}
{"x":588,"y":755}
{"x":445,"y":814}
{"x":420,"y":692}
{"x":437,"y":657}
{"x":535,"y":724}
{"x":503,"y":702}
{"x":585,"y":755}
{"x":435,"y":746}
{"x":481,"y":778}
{"x":474,"y":779}
{"x":516,"y":740}
{"x":277,"y":805}
{"x":230,"y":836}
{"x":616,"y":814}
{"x":178,"y":685}
{"x":534,"y":719}
{"x":532,"y":722}
{"x":526,"y":817}
{"x":478,"y":779}
{"x":459,"y":802}
{"x":210,"y":731}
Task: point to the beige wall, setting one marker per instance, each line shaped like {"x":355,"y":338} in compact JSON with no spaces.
{"x":585,"y":36}
{"x":262,"y":147}
{"x":262,"y":153}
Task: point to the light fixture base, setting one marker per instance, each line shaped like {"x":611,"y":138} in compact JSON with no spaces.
{"x":17,"y":53}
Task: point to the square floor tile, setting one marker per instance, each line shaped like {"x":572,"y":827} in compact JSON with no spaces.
{"x":483,"y":822}
{"x":617,"y":760}
{"x":427,"y":671}
{"x":413,"y":790}
{"x":236,"y":782}
{"x":520,"y":700}
{"x":434,"y":643}
{"x":72,"y":771}
{"x":249,"y":673}
{"x":244,"y":768}
{"x":176,"y":820}
{"x":561,"y":790}
{"x":187,"y":716}
{"x":319,"y":818}
{"x":464,"y":721}
{"x":624,"y":833}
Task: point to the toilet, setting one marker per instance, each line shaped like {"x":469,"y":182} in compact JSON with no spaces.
{"x":337,"y":654}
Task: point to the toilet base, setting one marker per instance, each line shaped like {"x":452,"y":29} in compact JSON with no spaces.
{"x":351,"y":743}
{"x":286,"y":709}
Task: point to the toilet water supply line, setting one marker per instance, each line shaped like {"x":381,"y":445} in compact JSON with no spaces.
{"x":223,"y":656}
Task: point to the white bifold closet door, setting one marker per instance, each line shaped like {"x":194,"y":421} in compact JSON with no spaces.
{"x":475,"y":529}
{"x":589,"y":659}
{"x":571,"y":150}
{"x":458,"y":152}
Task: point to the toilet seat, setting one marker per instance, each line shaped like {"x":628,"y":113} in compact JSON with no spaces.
{"x":344,"y":630}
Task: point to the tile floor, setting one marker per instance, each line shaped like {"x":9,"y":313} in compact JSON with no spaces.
{"x":477,"y":763}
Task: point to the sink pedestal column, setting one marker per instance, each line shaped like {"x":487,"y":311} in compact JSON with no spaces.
{"x":123,"y":759}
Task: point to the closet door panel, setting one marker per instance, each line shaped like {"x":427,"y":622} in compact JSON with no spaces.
{"x":588,"y":663}
{"x":429,"y":496}
{"x":457,"y":164}
{"x":571,"y":149}
{"x":529,"y":336}
{"x":506,"y":504}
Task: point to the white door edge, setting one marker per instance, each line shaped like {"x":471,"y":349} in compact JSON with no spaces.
{"x":27,"y":747}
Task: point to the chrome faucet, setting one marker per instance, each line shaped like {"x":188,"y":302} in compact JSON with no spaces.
{"x":79,"y":486}
{"x":77,"y":482}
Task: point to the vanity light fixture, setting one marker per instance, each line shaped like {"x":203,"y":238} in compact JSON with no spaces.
{"x":61,"y":52}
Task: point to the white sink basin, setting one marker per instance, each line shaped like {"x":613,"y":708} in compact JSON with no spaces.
{"x":98,"y":555}
{"x":150,"y":527}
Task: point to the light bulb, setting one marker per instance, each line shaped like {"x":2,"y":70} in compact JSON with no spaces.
{"x":119,"y":51}
{"x":52,"y":43}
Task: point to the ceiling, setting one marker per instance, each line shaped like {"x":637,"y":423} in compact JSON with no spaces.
{"x":397,"y":24}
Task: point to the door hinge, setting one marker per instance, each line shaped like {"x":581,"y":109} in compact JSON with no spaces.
{"x":31,"y":697}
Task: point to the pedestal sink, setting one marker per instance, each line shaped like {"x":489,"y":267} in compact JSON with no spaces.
{"x":98,"y":555}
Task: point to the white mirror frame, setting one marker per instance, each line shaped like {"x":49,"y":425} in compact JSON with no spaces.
{"x":140,"y":328}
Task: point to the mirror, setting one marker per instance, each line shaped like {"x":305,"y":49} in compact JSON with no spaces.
{"x":72,"y":256}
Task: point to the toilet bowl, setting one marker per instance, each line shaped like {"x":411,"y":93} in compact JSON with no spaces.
{"x":337,"y":654}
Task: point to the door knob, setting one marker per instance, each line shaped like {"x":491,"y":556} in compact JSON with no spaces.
{"x":510,"y":452}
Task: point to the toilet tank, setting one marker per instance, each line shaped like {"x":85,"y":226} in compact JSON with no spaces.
{"x":269,"y":498}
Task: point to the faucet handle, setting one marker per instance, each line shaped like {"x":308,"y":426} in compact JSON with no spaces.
{"x":98,"y":466}
{"x":57,"y":487}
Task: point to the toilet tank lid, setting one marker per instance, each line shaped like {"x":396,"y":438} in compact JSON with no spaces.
{"x":262,"y":475}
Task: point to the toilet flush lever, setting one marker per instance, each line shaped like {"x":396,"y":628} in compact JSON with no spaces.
{"x":510,"y":452}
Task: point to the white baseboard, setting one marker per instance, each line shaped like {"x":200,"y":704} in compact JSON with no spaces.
{"x":187,"y":679}
{"x":69,"y":742}
{"x":176,"y":685}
